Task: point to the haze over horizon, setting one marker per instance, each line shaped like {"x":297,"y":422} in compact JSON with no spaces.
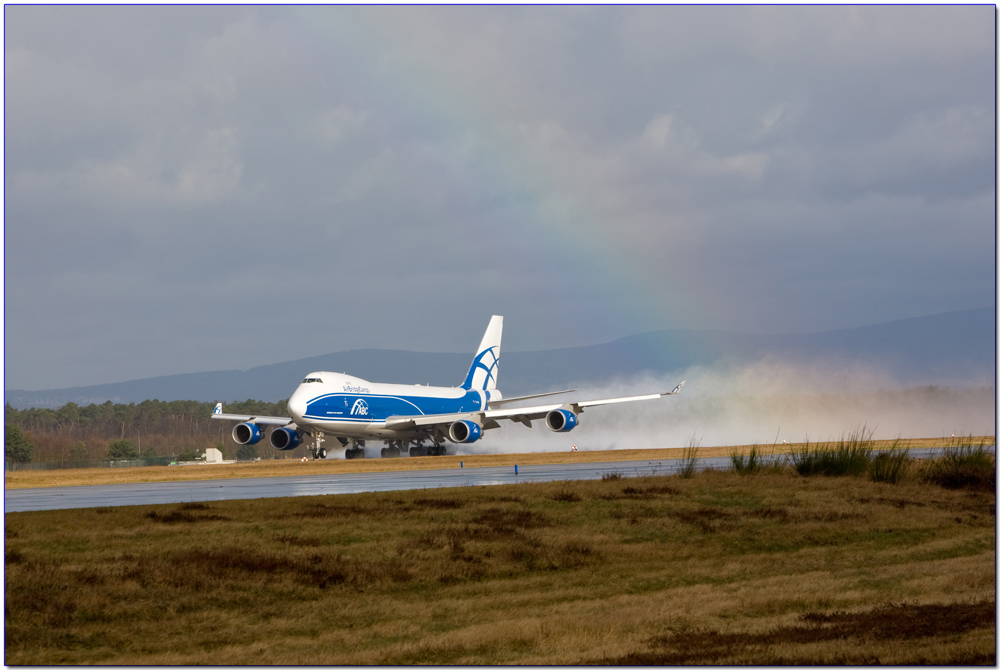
{"x":217,"y":188}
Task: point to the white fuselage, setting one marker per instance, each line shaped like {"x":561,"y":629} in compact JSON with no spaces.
{"x":348,"y":406}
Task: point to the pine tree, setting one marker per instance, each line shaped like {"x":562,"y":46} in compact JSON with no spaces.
{"x":17,"y":446}
{"x":123,"y":449}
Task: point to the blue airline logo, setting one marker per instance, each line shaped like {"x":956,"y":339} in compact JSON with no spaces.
{"x":480,"y":364}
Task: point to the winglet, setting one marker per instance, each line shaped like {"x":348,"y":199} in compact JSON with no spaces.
{"x":677,"y":389}
{"x":218,"y":409}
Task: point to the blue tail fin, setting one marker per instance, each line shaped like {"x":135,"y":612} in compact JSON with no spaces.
{"x":486,"y":364}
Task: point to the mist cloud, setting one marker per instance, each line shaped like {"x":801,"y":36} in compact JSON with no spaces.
{"x":758,"y":404}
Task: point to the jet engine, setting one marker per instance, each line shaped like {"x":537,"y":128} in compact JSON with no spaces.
{"x":246,"y":433}
{"x":464,"y":432}
{"x":285,"y":439}
{"x":560,"y":420}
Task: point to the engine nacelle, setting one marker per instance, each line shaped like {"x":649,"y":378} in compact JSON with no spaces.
{"x":560,"y":420}
{"x":285,"y":439}
{"x":246,"y":433}
{"x":464,"y":432}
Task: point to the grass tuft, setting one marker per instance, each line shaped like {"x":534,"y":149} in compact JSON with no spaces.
{"x":889,"y":466}
{"x":756,"y":461}
{"x":746,"y":464}
{"x":566,"y":495}
{"x":689,"y":459}
{"x":967,"y":467}
{"x":438,"y":503}
{"x":179,"y":516}
{"x":850,"y":457}
{"x":506,"y":519}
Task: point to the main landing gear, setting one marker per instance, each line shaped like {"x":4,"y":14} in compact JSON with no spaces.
{"x":392,"y":450}
{"x":424,"y":450}
{"x":395,"y":449}
{"x":355,"y":449}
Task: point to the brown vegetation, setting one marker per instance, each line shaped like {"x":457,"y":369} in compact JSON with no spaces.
{"x":884,"y":623}
{"x":283,"y":466}
{"x":75,"y":433}
{"x":715,"y":569}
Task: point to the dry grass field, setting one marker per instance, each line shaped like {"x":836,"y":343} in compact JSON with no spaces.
{"x":718,"y":568}
{"x":284,"y":467}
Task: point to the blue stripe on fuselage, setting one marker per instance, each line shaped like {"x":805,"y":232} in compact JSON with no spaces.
{"x":361,"y":408}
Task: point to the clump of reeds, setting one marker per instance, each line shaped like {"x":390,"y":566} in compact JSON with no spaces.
{"x":745,"y":464}
{"x":755,"y":461}
{"x":689,"y":459}
{"x":850,"y":457}
{"x":889,"y":466}
{"x":967,"y":466}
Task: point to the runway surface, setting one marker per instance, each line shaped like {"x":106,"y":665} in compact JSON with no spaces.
{"x":113,"y":495}
{"x":158,"y":493}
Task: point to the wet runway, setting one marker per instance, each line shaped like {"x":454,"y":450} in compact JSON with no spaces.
{"x":113,"y":495}
{"x":158,"y":493}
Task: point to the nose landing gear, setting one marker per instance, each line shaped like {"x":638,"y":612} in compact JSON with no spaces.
{"x":318,"y":451}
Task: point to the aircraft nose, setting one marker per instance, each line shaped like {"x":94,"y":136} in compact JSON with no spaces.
{"x":297,"y":405}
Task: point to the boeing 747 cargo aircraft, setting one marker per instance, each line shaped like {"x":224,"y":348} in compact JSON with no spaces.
{"x":415,"y":420}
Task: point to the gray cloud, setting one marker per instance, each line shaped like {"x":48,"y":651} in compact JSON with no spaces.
{"x":193,"y":188}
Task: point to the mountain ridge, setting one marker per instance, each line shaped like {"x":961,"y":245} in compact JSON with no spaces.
{"x":951,"y":347}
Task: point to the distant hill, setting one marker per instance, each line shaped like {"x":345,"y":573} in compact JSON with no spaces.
{"x":951,"y":348}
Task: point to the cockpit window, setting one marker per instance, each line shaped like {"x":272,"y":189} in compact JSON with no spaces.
{"x":310,"y":380}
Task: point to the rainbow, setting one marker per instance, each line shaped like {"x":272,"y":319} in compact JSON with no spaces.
{"x":554,"y":225}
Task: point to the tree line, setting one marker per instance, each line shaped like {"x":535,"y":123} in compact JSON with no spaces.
{"x":101,"y":431}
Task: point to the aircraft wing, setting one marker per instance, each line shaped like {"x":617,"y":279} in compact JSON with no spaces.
{"x":263,"y":420}
{"x":488,"y":419}
{"x":507,"y":401}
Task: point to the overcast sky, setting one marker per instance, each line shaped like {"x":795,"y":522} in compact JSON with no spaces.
{"x":204,"y":188}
